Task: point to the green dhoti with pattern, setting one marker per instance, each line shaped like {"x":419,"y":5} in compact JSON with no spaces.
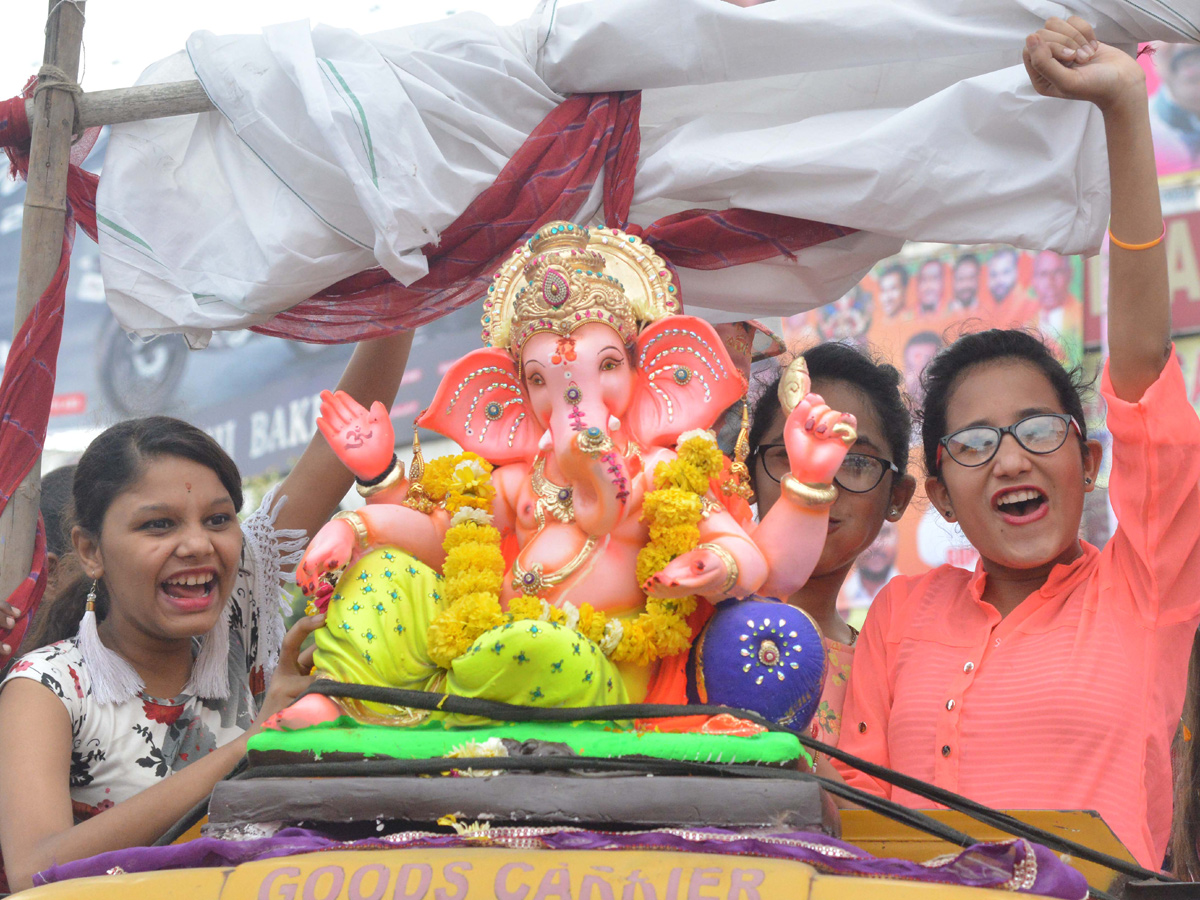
{"x":376,"y":631}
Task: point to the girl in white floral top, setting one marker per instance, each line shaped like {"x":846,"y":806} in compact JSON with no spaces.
{"x":873,"y":487}
{"x":167,"y":676}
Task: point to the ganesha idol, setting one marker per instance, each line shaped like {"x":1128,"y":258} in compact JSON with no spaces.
{"x":588,"y":547}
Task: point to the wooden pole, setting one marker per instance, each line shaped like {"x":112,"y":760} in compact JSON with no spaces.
{"x":41,"y":246}
{"x":150,"y":101}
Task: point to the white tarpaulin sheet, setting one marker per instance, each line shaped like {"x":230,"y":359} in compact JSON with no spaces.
{"x":333,"y":152}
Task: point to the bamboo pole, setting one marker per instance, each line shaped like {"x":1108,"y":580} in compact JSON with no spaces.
{"x":149,"y":101}
{"x":41,"y":247}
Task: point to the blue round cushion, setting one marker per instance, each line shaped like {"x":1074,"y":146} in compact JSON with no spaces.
{"x":761,"y":655}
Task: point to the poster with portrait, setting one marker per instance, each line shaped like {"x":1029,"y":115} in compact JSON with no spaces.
{"x":1173,"y":83}
{"x":904,"y":312}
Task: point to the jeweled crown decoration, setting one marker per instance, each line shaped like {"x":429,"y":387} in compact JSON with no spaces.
{"x":566,"y":276}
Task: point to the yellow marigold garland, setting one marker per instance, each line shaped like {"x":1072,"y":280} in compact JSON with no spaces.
{"x":474,"y":568}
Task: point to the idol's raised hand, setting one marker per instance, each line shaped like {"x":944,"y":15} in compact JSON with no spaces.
{"x":1065,"y":60}
{"x":363,"y":439}
{"x":817,"y":440}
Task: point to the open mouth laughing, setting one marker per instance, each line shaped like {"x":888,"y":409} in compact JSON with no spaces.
{"x":191,"y":591}
{"x":1021,"y":505}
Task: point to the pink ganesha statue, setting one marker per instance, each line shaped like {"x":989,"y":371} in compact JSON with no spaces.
{"x":572,"y":552}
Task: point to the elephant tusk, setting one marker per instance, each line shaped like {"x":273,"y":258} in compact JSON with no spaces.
{"x":794,"y":385}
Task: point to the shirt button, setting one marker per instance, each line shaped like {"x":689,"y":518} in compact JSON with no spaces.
{"x":969,"y":667}
{"x":945,"y":750}
{"x":862,"y":727}
{"x":949,"y":704}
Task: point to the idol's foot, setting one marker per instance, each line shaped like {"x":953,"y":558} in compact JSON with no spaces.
{"x":311,"y":709}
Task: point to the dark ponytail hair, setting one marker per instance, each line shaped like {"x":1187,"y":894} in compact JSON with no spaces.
{"x":112,"y":463}
{"x":834,"y":361}
{"x":947,"y":369}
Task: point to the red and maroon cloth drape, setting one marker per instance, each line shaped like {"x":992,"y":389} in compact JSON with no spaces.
{"x":549,"y":178}
{"x":28,"y":383}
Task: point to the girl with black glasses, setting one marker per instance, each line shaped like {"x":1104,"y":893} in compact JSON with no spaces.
{"x":873,"y":488}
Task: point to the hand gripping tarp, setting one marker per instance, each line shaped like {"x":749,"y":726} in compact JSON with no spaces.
{"x":336,"y":154}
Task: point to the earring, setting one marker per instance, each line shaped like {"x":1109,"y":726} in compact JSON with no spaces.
{"x":91,"y":598}
{"x":1087,"y":480}
{"x":739,"y":472}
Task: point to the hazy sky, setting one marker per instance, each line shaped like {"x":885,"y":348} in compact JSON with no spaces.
{"x":122,"y":37}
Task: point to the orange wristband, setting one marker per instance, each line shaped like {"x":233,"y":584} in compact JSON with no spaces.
{"x":1146,"y":246}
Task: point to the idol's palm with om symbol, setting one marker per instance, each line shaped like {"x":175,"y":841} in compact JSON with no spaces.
{"x":362,"y":439}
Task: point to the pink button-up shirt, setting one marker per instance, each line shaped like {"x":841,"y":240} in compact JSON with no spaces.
{"x":1072,"y":700}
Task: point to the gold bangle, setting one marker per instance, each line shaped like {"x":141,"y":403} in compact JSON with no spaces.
{"x":810,"y":496}
{"x":356,"y":522}
{"x":731,"y":566}
{"x":389,"y":481}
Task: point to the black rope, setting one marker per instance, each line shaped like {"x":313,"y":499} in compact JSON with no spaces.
{"x":985,"y":814}
{"x":511,"y":712}
{"x":514,"y":713}
{"x":385,"y":766}
{"x":185,"y":824}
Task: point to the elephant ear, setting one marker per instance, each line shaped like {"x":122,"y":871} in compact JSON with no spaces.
{"x":481,"y":405}
{"x":686,"y":379}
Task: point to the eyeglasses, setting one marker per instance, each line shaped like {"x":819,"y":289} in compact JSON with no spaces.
{"x":858,"y":474}
{"x":976,"y":445}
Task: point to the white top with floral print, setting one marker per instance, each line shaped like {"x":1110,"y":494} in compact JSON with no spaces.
{"x":121,"y":749}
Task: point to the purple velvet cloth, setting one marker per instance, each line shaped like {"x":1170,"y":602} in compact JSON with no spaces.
{"x":1011,"y":865}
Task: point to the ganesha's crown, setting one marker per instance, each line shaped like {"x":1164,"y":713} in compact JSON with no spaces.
{"x":568,"y":275}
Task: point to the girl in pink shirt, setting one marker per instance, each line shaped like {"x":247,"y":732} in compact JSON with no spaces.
{"x":1053,"y":676}
{"x":873,"y":487}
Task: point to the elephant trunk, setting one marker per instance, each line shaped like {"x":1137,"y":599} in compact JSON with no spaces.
{"x":585,"y":452}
